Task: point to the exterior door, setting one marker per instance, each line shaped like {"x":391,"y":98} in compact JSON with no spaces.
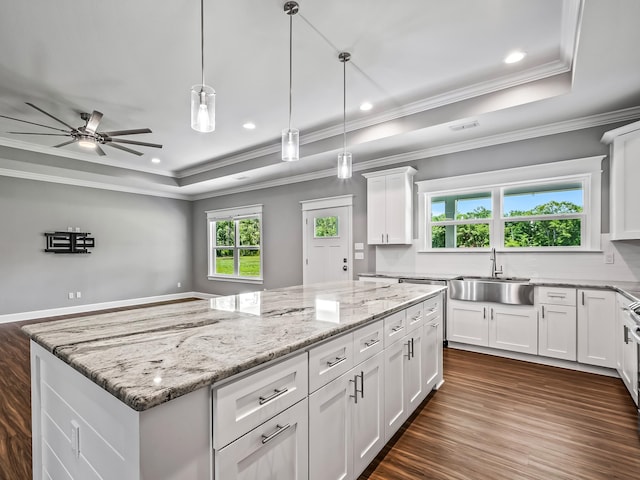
{"x":327,"y":237}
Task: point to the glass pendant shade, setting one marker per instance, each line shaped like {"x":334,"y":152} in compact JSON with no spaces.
{"x":203,"y":108}
{"x":290,"y":145}
{"x":344,"y":165}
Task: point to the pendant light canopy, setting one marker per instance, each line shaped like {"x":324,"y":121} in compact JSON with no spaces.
{"x":345,"y":161}
{"x":290,"y":136}
{"x":203,"y":97}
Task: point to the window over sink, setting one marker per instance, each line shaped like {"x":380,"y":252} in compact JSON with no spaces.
{"x":548,"y":207}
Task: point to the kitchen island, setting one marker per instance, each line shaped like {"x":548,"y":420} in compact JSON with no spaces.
{"x":176,"y":391}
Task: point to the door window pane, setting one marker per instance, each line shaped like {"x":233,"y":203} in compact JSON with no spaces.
{"x":543,"y":233}
{"x":325,"y":227}
{"x":543,"y":200}
{"x":249,"y":263}
{"x":249,"y":230}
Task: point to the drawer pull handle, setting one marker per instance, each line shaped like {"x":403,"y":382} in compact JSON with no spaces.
{"x":557,"y":295}
{"x":397,"y":328}
{"x":279,"y":430}
{"x":276,"y":393}
{"x":371,"y":343}
{"x":336,"y":361}
{"x":435,"y":325}
{"x":417,"y":317}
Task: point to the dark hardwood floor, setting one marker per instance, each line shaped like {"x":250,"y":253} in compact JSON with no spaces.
{"x":493,"y":419}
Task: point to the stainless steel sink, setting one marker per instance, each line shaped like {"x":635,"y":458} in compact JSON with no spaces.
{"x":509,"y":290}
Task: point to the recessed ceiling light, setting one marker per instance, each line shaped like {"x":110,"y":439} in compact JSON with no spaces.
{"x":155,"y":160}
{"x":366,"y":106}
{"x":249,"y":125}
{"x":514,"y":57}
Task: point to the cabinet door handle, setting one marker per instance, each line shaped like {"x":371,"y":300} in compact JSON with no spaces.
{"x":276,"y":393}
{"x":361,"y":384}
{"x":542,"y":311}
{"x":408,"y":344}
{"x":371,"y":343}
{"x":484,"y":312}
{"x":336,"y":361}
{"x":626,"y":334}
{"x":382,"y":238}
{"x":491,"y":313}
{"x":279,"y":430}
{"x":355,"y":386}
{"x":387,"y":238}
{"x":582,"y":298}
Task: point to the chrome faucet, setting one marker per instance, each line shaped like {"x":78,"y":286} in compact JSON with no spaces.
{"x":494,"y":270}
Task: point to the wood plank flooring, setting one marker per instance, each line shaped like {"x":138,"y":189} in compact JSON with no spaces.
{"x":493,"y":419}
{"x":501,"y":419}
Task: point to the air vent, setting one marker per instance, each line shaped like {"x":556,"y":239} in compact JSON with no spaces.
{"x":464,"y":126}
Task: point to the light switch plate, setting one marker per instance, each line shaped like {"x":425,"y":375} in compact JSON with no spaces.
{"x":359,"y":246}
{"x":359,"y":255}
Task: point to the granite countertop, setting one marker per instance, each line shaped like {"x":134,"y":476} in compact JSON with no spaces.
{"x":148,"y":356}
{"x":629,"y":289}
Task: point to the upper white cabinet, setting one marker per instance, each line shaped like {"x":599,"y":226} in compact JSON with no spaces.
{"x":389,"y":206}
{"x":625,"y":174}
{"x":596,"y":327}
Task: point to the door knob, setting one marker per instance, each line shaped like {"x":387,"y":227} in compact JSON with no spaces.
{"x":344,"y":267}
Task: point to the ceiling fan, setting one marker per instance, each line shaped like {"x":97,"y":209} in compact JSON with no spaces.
{"x":87,"y":135}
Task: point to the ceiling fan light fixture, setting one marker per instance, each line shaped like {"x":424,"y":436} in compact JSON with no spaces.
{"x":345,"y":160}
{"x":203,"y":97}
{"x":290,"y":136}
{"x":87,"y":142}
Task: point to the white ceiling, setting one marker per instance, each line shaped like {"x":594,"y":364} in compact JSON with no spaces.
{"x":424,"y":64}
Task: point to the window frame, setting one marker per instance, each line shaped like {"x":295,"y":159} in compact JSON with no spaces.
{"x":585,"y":170}
{"x":236,"y":215}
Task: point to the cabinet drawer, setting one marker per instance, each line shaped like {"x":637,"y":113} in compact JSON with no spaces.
{"x":242,"y":405}
{"x":276,"y":449}
{"x":415,"y":316}
{"x":395,"y":327}
{"x":368,"y":341}
{"x":329,"y":361}
{"x":432,"y":309}
{"x":556,"y":295}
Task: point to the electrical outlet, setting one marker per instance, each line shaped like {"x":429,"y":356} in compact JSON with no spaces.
{"x":608,"y":257}
{"x":78,"y":294}
{"x":70,"y":295}
{"x":179,"y":284}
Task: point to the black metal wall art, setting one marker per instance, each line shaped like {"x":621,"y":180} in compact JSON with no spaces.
{"x":69,"y":242}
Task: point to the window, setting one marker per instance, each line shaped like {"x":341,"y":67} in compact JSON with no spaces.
{"x":235,"y":244}
{"x":528,"y":210}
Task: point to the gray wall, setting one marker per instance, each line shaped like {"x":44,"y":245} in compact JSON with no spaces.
{"x":282,"y":231}
{"x":143,"y":245}
{"x":282,"y":247}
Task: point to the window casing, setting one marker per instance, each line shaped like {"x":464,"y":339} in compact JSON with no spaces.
{"x":235,"y":244}
{"x":527,"y":211}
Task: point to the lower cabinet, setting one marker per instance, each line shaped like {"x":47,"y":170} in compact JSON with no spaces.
{"x":346,"y":428}
{"x":406,"y":379}
{"x":596,"y":328}
{"x":627,"y":348}
{"x":276,"y":450}
{"x":506,"y":327}
{"x":557,"y":332}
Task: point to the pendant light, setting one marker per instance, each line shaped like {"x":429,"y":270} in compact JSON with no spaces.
{"x":290,"y":136}
{"x":344,"y":158}
{"x":203,"y":97}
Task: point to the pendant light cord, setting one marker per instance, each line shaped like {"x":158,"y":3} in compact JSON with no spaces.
{"x":290,"y":64}
{"x":202,"y":40}
{"x":344,"y":103}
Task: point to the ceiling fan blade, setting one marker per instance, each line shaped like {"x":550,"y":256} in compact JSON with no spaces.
{"x":125,"y":149}
{"x":66,"y":143}
{"x":134,"y":142}
{"x":117,"y":133}
{"x":51,"y":116}
{"x":32,"y":123}
{"x":93,"y":122}
{"x":34,"y":133}
{"x":100,"y":151}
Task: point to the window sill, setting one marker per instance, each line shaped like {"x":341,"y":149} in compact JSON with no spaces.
{"x":227,"y":278}
{"x":512,"y":250}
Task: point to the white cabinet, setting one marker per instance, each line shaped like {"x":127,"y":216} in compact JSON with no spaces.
{"x":433,"y":337}
{"x":405,"y":379}
{"x":627,"y":348}
{"x":557,"y":331}
{"x":346,"y":428}
{"x":389,"y":206}
{"x":596,"y":328}
{"x":506,"y":327}
{"x":277,"y":449}
{"x":625,"y":175}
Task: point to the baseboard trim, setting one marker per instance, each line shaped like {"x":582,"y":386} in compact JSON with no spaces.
{"x":552,"y":362}
{"x":91,"y":307}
